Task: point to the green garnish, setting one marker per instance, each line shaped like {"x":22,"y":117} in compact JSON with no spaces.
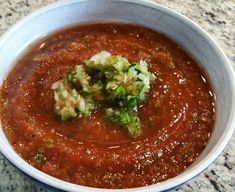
{"x":68,"y":102}
{"x":49,"y":144}
{"x":104,"y":79}
{"x":40,"y":157}
{"x":127,"y":119}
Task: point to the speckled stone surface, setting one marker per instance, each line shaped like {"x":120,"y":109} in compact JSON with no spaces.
{"x":215,"y":16}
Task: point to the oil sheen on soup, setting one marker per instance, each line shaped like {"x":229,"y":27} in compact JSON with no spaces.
{"x":177,"y":117}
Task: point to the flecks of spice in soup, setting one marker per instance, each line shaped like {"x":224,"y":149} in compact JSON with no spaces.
{"x":176,"y":119}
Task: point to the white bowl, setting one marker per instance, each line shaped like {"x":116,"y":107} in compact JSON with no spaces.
{"x":179,"y":28}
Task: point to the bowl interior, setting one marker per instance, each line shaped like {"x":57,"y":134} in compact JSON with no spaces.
{"x":197,"y":43}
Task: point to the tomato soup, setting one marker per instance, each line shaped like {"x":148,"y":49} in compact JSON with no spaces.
{"x":177,"y":117}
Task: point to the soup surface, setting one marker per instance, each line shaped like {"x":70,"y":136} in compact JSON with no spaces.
{"x":176,"y":118}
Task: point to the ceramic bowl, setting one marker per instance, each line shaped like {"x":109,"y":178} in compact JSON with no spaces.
{"x":180,"y":29}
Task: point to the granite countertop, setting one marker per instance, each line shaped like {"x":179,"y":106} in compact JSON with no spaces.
{"x":217,"y":17}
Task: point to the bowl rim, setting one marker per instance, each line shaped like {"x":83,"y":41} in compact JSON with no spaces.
{"x":165,"y":185}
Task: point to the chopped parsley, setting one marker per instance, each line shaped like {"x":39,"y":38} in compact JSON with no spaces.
{"x":40,"y":158}
{"x":104,"y":78}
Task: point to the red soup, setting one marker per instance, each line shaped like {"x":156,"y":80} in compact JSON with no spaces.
{"x":177,"y":117}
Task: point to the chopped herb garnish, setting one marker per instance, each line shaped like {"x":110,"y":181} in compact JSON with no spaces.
{"x":49,"y":144}
{"x":127,"y":119}
{"x":104,"y":78}
{"x":40,"y":157}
